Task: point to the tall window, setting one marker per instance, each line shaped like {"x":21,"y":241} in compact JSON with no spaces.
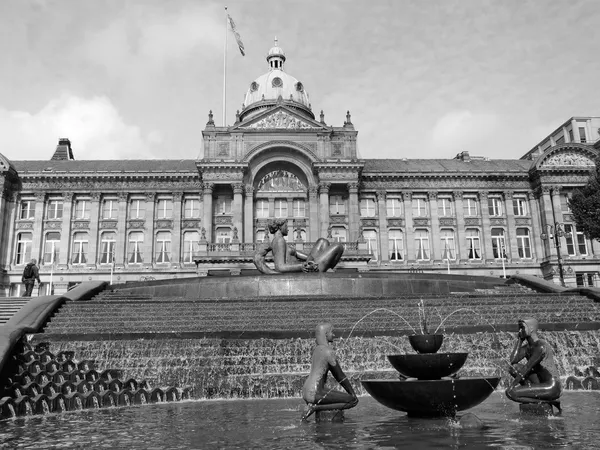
{"x":55,"y":209}
{"x":191,"y":208}
{"x":51,"y":247}
{"x":223,"y":205}
{"x":498,"y":243}
{"x":470,"y":206}
{"x":569,"y":234}
{"x":419,"y":207}
{"x":582,"y":135}
{"x":338,"y":234}
{"x":110,"y":208}
{"x":27,"y":209}
{"x":520,"y":206}
{"x":223,"y":235}
{"x":136,"y":240}
{"x":448,"y":244}
{"x":163,"y":247}
{"x":393,"y":207}
{"x":107,"y":247}
{"x":422,"y":245}
{"x":137,"y":208}
{"x":445,"y":208}
{"x":523,"y":243}
{"x":495,"y":206}
{"x":564,"y":202}
{"x":82,"y":209}
{"x":80,"y":247}
{"x":164,"y":208}
{"x":367,"y":207}
{"x":473,"y":243}
{"x":396,"y":245}
{"x":574,"y":238}
{"x":299,"y":207}
{"x":23,"y":248}
{"x":190,"y":240}
{"x":370,"y":237}
{"x":281,"y":208}
{"x":262,"y":209}
{"x":337,"y":205}
{"x":261,"y":235}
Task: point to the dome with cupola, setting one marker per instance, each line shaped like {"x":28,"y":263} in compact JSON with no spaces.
{"x":276,"y":86}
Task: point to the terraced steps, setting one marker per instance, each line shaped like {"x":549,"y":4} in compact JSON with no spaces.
{"x":10,"y":306}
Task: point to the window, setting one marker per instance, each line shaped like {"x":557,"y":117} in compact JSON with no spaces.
{"x":564,"y":202}
{"x":470,"y":206}
{"x":473,"y":243}
{"x":445,"y":208}
{"x":302,"y":236}
{"x":163,"y":247}
{"x":568,"y":237}
{"x":582,"y":135}
{"x":520,"y":206}
{"x":262,"y":235}
{"x":422,"y":245}
{"x":23,"y":248}
{"x":367,"y":207}
{"x":55,"y":209}
{"x":281,"y":208}
{"x":498,"y":243}
{"x":338,"y":234}
{"x":523,"y":243}
{"x":80,"y":245}
{"x":299,"y":207}
{"x":262,"y":209}
{"x":495,"y":206}
{"x":581,"y":243}
{"x":27,"y":209}
{"x":164,"y":208}
{"x":109,"y":209}
{"x":370,"y":237}
{"x":137,"y":208}
{"x":337,"y":205}
{"x":191,"y":208}
{"x":107,"y":247}
{"x":82,"y":209}
{"x":448,"y":244}
{"x":136,"y":240}
{"x":223,"y":235}
{"x":570,"y":135}
{"x":575,"y":237}
{"x":223,"y":205}
{"x":393,"y":207}
{"x":51,"y":247}
{"x":396,"y":245}
{"x":190,"y":240}
{"x":419,"y":207}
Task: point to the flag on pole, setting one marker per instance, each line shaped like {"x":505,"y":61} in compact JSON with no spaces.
{"x":236,"y":34}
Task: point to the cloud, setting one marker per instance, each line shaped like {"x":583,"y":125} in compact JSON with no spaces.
{"x":464,"y":130}
{"x":94,"y":126}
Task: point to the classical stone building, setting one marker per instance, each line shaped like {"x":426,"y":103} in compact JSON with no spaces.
{"x":131,"y":220}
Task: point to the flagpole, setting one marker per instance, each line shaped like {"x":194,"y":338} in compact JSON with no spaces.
{"x":225,"y":72}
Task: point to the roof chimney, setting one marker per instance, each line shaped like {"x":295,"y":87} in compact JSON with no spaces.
{"x":63,"y":151}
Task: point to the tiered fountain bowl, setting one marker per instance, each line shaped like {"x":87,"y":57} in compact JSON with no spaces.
{"x":428,"y":386}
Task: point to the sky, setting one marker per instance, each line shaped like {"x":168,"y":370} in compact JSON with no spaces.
{"x":422,"y":79}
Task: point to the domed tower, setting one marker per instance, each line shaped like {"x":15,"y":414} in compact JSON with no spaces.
{"x":276,"y":86}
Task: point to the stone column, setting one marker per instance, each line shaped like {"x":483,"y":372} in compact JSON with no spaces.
{"x":511,"y":227}
{"x":313,"y":213}
{"x":324,"y":207}
{"x":410,"y":229}
{"x":65,"y":231}
{"x":36,"y":238}
{"x":353,"y":212}
{"x":149,"y":235}
{"x":536,"y":226}
{"x":9,"y":249}
{"x":486,"y":228}
{"x":461,"y":250}
{"x":558,"y":218}
{"x":435,"y":241}
{"x":384,"y":244}
{"x":4,"y":223}
{"x":92,"y":255}
{"x":176,"y":255}
{"x":208,"y":210}
{"x":547,"y":217}
{"x":238,"y":213}
{"x":249,"y":215}
{"x":121,"y":231}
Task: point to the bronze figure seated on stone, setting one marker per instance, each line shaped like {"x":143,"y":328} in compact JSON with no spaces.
{"x":322,"y":257}
{"x":537,"y":380}
{"x":324,"y":360}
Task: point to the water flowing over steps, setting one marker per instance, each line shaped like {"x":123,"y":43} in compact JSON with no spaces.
{"x":40,"y":382}
{"x":9,"y":306}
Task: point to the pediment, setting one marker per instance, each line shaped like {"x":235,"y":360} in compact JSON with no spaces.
{"x":280,"y":119}
{"x":568,"y":156}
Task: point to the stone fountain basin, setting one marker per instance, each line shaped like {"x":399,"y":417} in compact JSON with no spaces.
{"x":428,"y":366}
{"x":431,"y":398}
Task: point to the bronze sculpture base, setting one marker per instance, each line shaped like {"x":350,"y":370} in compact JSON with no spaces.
{"x":536,"y":409}
{"x":334,"y":415}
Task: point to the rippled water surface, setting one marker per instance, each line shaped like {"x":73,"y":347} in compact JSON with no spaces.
{"x":270,"y":424}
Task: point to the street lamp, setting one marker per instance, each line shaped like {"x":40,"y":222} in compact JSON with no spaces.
{"x":555,"y":232}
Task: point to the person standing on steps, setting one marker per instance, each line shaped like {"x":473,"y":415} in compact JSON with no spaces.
{"x":30,"y":274}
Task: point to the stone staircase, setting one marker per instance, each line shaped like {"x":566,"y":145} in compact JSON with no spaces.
{"x":9,"y":306}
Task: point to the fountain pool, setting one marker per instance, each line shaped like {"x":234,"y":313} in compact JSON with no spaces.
{"x":271,"y":424}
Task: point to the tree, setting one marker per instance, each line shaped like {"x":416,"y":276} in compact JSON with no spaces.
{"x":585,"y":205}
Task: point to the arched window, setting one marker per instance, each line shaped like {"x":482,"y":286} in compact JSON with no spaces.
{"x":223,"y":235}
{"x":338,"y":234}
